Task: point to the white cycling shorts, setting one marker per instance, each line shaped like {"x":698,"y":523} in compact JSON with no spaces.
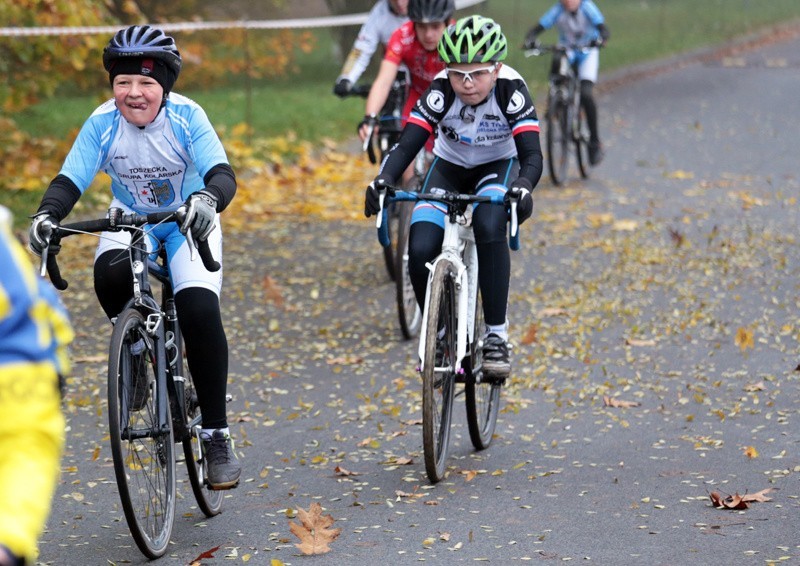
{"x":184,"y":271}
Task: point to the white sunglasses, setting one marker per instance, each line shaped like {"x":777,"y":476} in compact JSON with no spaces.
{"x":474,"y":74}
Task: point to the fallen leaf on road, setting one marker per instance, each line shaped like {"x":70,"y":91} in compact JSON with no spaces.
{"x":313,"y":531}
{"x":619,"y":403}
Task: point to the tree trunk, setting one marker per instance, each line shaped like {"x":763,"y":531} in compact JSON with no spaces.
{"x":344,"y":36}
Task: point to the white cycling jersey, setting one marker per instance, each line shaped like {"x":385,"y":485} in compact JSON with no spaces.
{"x":473,"y":135}
{"x":153,"y":168}
{"x":381,"y":23}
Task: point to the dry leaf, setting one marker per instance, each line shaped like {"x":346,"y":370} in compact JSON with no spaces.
{"x":530,"y":335}
{"x":744,"y":339}
{"x":617,"y":403}
{"x":470,"y":474}
{"x":759,"y":496}
{"x":736,"y":501}
{"x":750,"y":452}
{"x":750,"y":387}
{"x":551,"y":311}
{"x":313,"y":531}
{"x":272,"y":291}
{"x":635,"y":342}
{"x":340,"y":471}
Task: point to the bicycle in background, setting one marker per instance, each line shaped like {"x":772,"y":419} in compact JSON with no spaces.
{"x":389,"y":127}
{"x":567,"y":128}
{"x":397,"y":215}
{"x":152,"y":402}
{"x":452,"y":329}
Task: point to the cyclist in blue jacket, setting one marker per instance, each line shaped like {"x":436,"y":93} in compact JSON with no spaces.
{"x":161,"y":152}
{"x":579,"y":22}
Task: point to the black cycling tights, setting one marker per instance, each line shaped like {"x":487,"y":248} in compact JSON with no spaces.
{"x":201,"y":324}
{"x":587,"y":101}
{"x":494,"y":264}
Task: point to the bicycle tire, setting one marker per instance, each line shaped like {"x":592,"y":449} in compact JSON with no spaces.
{"x":143,"y":450}
{"x":438,"y":383}
{"x":408,"y":310}
{"x":392,"y":224}
{"x":209,"y":501}
{"x":557,"y":140}
{"x":481,"y":398}
{"x":582,"y":143}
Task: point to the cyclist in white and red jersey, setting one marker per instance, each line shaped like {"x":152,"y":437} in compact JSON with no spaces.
{"x":487,"y":143}
{"x":383,"y":19}
{"x":414,"y":45}
{"x":161,"y":152}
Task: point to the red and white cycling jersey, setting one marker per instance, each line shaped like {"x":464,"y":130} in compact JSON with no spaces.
{"x":405,"y":49}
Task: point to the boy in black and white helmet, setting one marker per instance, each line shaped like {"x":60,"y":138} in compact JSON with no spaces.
{"x":161,"y":152}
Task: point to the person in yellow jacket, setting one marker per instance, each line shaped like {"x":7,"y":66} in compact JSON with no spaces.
{"x":34,"y":334}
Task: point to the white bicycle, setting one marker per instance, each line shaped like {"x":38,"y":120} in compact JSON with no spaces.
{"x":452,"y":329}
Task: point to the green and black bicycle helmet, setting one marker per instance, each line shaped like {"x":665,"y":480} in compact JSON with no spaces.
{"x":473,"y":39}
{"x":429,"y":11}
{"x":135,"y":43}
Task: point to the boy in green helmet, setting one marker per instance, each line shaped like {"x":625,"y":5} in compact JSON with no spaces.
{"x":487,"y":143}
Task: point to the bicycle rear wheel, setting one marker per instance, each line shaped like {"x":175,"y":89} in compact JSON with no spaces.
{"x":209,"y":501}
{"x":558,"y":141}
{"x":482,"y":398}
{"x":407,"y":308}
{"x":141,"y":445}
{"x":582,"y":137}
{"x":438,"y":374}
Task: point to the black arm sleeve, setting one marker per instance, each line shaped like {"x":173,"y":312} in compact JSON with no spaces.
{"x":604,"y":33}
{"x":403,"y":153}
{"x":60,"y":197}
{"x":529,"y":152}
{"x":533,"y":33}
{"x":221,"y":182}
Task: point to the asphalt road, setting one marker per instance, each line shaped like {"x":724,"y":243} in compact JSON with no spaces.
{"x":668,"y":281}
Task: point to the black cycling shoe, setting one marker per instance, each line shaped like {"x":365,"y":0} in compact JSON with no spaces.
{"x":496,"y":365}
{"x":139,"y":386}
{"x":222,"y":466}
{"x":596,"y":153}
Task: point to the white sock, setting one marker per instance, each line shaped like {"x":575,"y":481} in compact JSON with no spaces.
{"x":206,"y":433}
{"x":500,"y":329}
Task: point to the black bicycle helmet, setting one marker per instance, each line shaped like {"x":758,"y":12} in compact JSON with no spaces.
{"x":428,"y":11}
{"x":143,"y":42}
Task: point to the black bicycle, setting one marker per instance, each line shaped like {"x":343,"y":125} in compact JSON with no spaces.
{"x":389,"y":127}
{"x":152,"y":402}
{"x":567,"y":127}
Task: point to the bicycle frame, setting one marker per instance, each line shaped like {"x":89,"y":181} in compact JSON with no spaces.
{"x":458,"y":247}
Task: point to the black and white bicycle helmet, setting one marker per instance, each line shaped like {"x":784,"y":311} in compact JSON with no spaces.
{"x":137,"y":42}
{"x":428,"y":11}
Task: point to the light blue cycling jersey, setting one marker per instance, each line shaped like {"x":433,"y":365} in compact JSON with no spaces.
{"x":154,"y":168}
{"x":577,"y":29}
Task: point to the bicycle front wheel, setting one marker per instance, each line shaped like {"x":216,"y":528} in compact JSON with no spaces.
{"x":482,"y":398}
{"x":558,"y":140}
{"x":582,"y":137}
{"x":438,"y":374}
{"x":209,"y":501}
{"x":407,"y":308}
{"x":392,"y":226}
{"x":141,"y":444}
